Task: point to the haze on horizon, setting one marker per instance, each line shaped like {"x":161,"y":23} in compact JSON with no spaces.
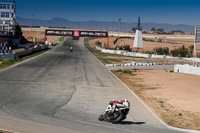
{"x":168,"y":11}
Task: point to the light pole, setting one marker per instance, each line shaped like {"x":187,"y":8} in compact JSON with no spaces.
{"x":127,"y":26}
{"x":31,"y":22}
{"x":119,"y":24}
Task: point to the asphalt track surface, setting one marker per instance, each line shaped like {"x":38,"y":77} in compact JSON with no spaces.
{"x":63,"y":92}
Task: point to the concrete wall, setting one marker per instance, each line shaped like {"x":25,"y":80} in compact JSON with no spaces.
{"x":122,"y":52}
{"x":187,"y":69}
{"x":8,"y":55}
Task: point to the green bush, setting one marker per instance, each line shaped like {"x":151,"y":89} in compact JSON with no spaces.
{"x":8,"y":61}
{"x":119,"y":70}
{"x":180,"y":52}
{"x":161,"y":51}
{"x":125,"y":47}
{"x":127,"y":72}
{"x":98,"y":43}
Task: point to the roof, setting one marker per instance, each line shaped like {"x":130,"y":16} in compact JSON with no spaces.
{"x":7,"y":1}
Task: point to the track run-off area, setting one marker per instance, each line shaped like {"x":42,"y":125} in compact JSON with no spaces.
{"x":62,"y":92}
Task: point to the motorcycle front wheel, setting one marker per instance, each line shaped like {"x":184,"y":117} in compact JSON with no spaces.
{"x":103,"y":116}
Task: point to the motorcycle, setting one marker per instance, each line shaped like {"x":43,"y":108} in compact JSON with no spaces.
{"x":71,"y":49}
{"x":115,"y":114}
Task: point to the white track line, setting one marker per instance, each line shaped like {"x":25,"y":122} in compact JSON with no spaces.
{"x":4,"y":130}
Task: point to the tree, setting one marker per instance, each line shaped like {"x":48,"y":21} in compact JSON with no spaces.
{"x":191,"y":50}
{"x":161,"y":51}
{"x":182,"y":52}
{"x":134,"y":29}
{"x":18,"y":31}
{"x":153,"y":29}
{"x":172,"y":32}
{"x":160,"y":29}
{"x":19,"y":34}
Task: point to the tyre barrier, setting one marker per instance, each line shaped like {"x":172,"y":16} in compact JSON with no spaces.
{"x":30,"y":51}
{"x":3,"y":48}
{"x":131,"y":64}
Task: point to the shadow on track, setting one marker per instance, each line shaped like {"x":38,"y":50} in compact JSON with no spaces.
{"x":131,"y":122}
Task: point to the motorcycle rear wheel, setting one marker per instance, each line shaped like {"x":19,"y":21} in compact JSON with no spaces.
{"x":119,"y":117}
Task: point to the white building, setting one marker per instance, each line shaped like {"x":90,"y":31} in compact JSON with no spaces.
{"x":7,"y":17}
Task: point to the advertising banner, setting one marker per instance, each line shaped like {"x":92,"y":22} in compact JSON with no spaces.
{"x":93,"y":34}
{"x":59,"y":32}
{"x":76,"y":33}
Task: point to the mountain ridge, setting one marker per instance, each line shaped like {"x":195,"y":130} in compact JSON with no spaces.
{"x":102,"y":25}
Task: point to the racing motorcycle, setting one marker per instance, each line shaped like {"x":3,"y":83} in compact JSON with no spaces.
{"x":114,"y":113}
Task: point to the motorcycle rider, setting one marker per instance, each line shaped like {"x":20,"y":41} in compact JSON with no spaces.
{"x":116,"y":111}
{"x":119,"y":104}
{"x":71,"y":49}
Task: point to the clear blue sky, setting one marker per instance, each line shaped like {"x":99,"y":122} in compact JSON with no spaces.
{"x":160,"y":11}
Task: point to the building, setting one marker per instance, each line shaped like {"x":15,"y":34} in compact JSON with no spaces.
{"x":7,"y":17}
{"x":156,"y":32}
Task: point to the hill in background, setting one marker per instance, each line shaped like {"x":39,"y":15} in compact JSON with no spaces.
{"x":102,"y":25}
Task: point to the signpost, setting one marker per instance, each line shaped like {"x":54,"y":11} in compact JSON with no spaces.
{"x":76,"y":34}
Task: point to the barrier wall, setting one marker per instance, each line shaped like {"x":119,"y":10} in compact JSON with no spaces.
{"x":122,"y":52}
{"x":8,"y":55}
{"x":187,"y":69}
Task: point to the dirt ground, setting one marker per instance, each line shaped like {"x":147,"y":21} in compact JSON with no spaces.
{"x":172,"y":96}
{"x":148,"y":45}
{"x":35,"y":36}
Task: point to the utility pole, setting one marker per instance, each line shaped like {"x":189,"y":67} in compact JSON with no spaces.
{"x":119,"y":24}
{"x":31,"y":22}
{"x":127,"y":26}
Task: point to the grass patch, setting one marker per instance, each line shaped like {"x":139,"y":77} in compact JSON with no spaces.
{"x":61,"y":40}
{"x":9,"y":62}
{"x":180,"y":114}
{"x":119,"y":70}
{"x":107,"y":58}
{"x":127,"y":72}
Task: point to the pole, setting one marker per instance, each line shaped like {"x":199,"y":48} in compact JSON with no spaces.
{"x":127,"y":26}
{"x":107,"y":41}
{"x":31,"y":22}
{"x":194,"y":53}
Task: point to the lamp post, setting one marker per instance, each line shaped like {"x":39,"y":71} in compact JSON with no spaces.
{"x":119,"y":24}
{"x":127,"y":26}
{"x":31,"y":22}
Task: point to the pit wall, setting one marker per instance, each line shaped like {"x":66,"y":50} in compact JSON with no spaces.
{"x":187,"y":69}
